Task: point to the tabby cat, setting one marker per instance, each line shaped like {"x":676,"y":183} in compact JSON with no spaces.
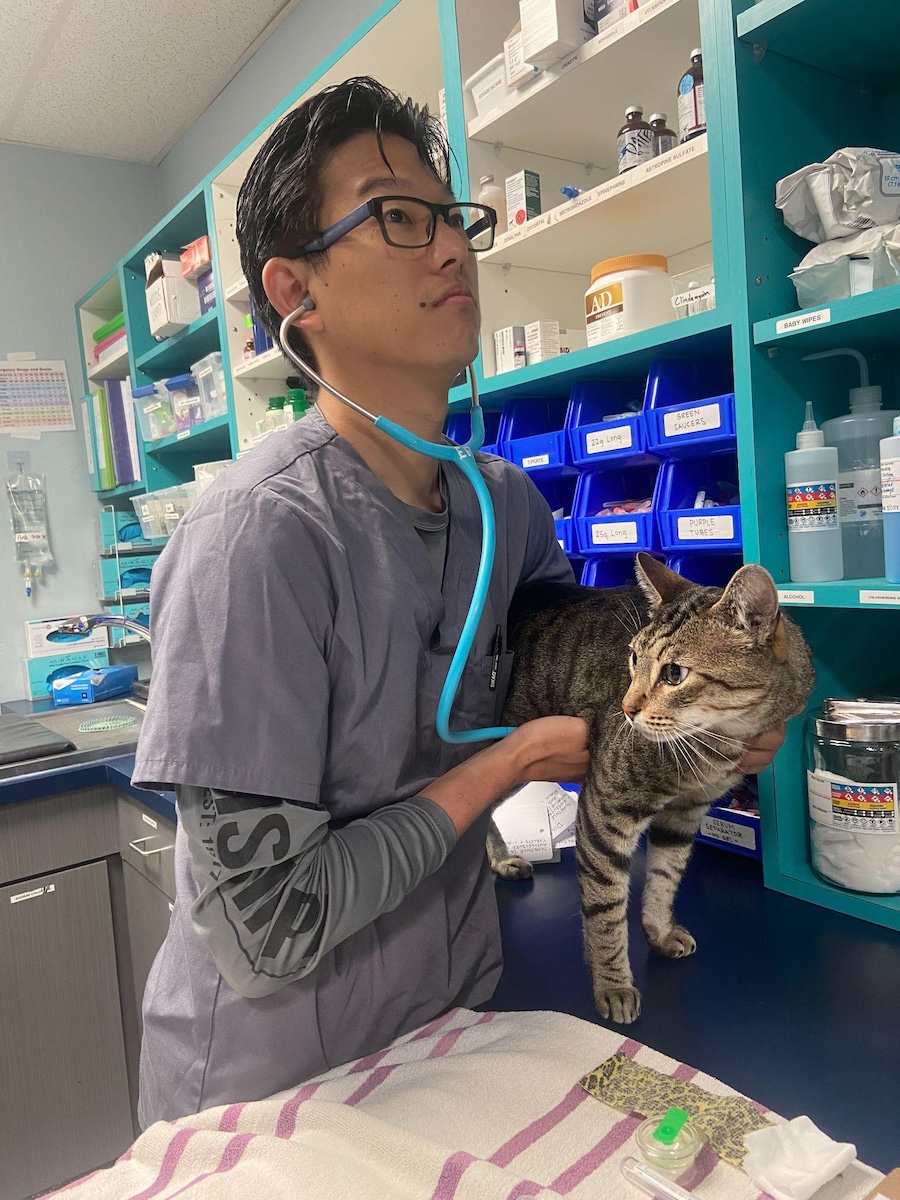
{"x":672,"y":679}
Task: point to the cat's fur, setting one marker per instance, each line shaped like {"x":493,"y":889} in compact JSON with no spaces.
{"x":597,"y":654}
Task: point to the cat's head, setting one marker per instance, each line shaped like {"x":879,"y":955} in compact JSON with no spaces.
{"x":726,"y":662}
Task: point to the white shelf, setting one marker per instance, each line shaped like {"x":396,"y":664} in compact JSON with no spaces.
{"x":239,"y":291}
{"x":271,"y":365}
{"x":638,"y":60}
{"x":660,"y":208}
{"x":112,"y":368}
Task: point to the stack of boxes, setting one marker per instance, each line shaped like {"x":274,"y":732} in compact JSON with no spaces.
{"x":50,"y":655}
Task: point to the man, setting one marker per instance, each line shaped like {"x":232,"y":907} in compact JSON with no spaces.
{"x":332,"y":884}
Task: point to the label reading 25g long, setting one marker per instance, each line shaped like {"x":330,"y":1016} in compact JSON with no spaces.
{"x":812,"y":506}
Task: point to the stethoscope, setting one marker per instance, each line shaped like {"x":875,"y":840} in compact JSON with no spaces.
{"x":464,"y":458}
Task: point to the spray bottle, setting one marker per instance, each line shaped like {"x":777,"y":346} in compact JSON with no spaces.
{"x":890,"y":500}
{"x":856,"y":437}
{"x":814,"y":534}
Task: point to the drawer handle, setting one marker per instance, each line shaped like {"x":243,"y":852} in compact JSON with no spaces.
{"x":136,"y":846}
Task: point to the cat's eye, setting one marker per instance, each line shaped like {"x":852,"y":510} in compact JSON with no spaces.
{"x":634,"y":660}
{"x":674,"y":673}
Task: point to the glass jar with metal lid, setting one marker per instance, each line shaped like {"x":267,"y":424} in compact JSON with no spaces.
{"x":853,"y":778}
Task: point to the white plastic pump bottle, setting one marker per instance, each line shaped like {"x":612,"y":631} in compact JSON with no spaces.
{"x":856,"y":436}
{"x":814,"y":535}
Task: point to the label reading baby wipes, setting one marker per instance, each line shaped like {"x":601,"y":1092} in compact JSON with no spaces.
{"x":605,"y":440}
{"x":859,"y":495}
{"x":858,"y":807}
{"x":621,"y":533}
{"x":605,"y":314}
{"x":890,"y":485}
{"x":812,"y":506}
{"x":692,"y":420}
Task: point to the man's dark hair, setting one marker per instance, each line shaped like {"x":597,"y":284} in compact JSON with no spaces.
{"x":280,"y":200}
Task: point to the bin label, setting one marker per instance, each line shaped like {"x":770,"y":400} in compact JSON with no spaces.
{"x":692,"y":420}
{"x":698,"y":529}
{"x":621,"y":532}
{"x":604,"y":440}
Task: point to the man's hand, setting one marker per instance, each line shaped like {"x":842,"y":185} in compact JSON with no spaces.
{"x":759,"y":752}
{"x":550,"y":748}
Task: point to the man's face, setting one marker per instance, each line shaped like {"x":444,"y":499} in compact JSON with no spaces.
{"x":386,"y":306}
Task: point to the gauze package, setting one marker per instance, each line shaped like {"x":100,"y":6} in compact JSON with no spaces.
{"x":849,"y":266}
{"x":852,"y":190}
{"x":792,"y":1160}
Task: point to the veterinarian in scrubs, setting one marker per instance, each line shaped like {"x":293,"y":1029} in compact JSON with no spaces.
{"x":333,"y":890}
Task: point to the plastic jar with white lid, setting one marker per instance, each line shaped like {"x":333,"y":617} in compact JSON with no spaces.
{"x":627,"y":294}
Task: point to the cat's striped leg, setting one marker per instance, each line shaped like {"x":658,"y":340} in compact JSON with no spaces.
{"x":603,"y":850}
{"x":669,"y":843}
{"x":504,"y":864}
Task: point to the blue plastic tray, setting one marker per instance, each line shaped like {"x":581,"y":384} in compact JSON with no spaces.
{"x":684,"y":527}
{"x":709,"y":570}
{"x":532,"y":437}
{"x":624,"y":534}
{"x":595,"y":442}
{"x":689,"y":407}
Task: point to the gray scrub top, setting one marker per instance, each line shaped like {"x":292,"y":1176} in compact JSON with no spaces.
{"x":301,"y":637}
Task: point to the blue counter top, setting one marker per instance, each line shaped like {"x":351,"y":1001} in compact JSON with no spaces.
{"x":115,"y":771}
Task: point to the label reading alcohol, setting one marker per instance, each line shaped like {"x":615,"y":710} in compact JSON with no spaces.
{"x":812,"y":506}
{"x":604,"y":440}
{"x":890,"y":485}
{"x":857,"y":807}
{"x":698,"y":529}
{"x":692,"y":420}
{"x":605,"y":314}
{"x":621,"y":533}
{"x":859,"y":495}
{"x":795,"y":596}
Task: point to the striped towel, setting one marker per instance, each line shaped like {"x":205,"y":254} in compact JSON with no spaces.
{"x":473,"y":1106}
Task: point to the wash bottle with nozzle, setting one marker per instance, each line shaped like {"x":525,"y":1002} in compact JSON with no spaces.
{"x":811,"y":492}
{"x":856,"y":437}
{"x":890,"y":499}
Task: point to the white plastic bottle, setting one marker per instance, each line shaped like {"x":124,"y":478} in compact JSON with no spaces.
{"x":856,"y":437}
{"x":495,"y":197}
{"x":890,"y":501}
{"x":814,"y":535}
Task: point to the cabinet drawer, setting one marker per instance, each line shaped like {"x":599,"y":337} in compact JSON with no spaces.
{"x":52,"y":832}
{"x":147,"y":843}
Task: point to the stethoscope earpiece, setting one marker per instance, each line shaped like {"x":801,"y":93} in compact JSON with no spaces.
{"x":308,"y":305}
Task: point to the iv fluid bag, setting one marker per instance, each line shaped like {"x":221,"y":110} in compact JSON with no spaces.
{"x":28,"y":505}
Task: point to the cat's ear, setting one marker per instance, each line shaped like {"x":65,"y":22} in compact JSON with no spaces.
{"x":657,"y":582}
{"x":751,"y":602}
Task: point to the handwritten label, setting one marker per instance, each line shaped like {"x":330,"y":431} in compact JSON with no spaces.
{"x":822,"y":316}
{"x":692,"y":420}
{"x":536,"y":460}
{"x":870,"y":597}
{"x":796,"y":597}
{"x":728,"y":831}
{"x":148,"y":821}
{"x":698,"y":529}
{"x":609,"y":534}
{"x":604,"y":440}
{"x":33,"y":894}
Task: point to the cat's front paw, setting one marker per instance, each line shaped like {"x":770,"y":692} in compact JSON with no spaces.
{"x":616,"y":1003}
{"x":677,"y":943}
{"x":512,"y":867}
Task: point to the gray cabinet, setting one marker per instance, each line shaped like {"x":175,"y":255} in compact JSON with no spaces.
{"x":147,"y":913}
{"x":64,"y":1106}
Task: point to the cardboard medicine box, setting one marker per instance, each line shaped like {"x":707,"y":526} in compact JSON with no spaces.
{"x":509,"y":348}
{"x":551,"y":29}
{"x":541,"y":341}
{"x":523,"y":198}
{"x":173,"y":302}
{"x":195,"y":258}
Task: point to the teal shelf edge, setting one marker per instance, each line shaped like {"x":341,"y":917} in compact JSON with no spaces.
{"x":759,"y":16}
{"x":200,"y":337}
{"x":803,"y":884}
{"x":842,"y":593}
{"x":125,"y":489}
{"x":189,"y":439}
{"x":878,"y":311}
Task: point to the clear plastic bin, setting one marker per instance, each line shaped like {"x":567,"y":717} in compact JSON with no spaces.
{"x":186,"y":403}
{"x":153,"y":408}
{"x":694,"y":291}
{"x":150,"y":515}
{"x":175,"y":502}
{"x":210,"y":377}
{"x":205,"y":473}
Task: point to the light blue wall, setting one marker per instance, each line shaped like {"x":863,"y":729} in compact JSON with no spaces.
{"x":64,"y":221}
{"x":307,"y":37}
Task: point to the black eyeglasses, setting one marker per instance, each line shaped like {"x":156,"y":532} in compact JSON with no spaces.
{"x":410,"y":223}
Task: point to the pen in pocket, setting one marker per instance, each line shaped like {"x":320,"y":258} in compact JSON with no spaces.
{"x":496,"y":650}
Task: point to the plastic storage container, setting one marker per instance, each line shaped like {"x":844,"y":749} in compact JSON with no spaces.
{"x":560,"y":496}
{"x":156,"y":417}
{"x":604,"y":424}
{"x":689,"y":407}
{"x":205,"y":473}
{"x":487,"y":87}
{"x":683,"y":525}
{"x":608,"y":571}
{"x":210,"y":378}
{"x":617,"y":534}
{"x":853,"y":776}
{"x":627,"y":294}
{"x":186,"y":403}
{"x":709,"y":570}
{"x":694,"y":291}
{"x":149,"y":513}
{"x":531,"y":436}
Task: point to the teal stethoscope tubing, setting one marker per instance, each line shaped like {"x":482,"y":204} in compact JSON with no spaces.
{"x":464,"y":458}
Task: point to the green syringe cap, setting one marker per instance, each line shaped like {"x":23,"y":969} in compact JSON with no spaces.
{"x":671,"y":1125}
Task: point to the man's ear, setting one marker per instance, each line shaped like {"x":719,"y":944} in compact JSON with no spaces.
{"x":286,"y":283}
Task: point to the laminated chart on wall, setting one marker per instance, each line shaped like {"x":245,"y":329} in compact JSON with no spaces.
{"x":35,"y":397}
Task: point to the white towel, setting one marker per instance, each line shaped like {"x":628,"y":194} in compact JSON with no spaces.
{"x":474,"y":1106}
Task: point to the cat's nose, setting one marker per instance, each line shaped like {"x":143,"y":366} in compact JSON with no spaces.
{"x":630,"y":711}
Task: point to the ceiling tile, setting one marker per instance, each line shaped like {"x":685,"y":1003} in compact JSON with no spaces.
{"x":23,"y":28}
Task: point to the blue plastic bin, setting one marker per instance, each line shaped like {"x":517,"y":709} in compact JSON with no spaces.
{"x":709,"y":570}
{"x":459,"y":429}
{"x":684,"y":527}
{"x":595,"y":442}
{"x":624,"y":534}
{"x":605,"y":570}
{"x":532,"y":436}
{"x":689,"y":407}
{"x":560,"y":494}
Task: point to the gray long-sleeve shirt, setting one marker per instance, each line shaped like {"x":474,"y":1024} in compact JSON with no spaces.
{"x":301,"y":639}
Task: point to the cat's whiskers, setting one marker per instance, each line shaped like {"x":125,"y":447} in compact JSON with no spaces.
{"x":701,"y":730}
{"x":688,"y":752}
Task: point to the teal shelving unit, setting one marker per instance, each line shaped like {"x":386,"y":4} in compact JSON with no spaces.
{"x":785,"y":85}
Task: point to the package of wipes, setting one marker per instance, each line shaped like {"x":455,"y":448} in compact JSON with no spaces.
{"x":849,"y":266}
{"x":854,"y":189}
